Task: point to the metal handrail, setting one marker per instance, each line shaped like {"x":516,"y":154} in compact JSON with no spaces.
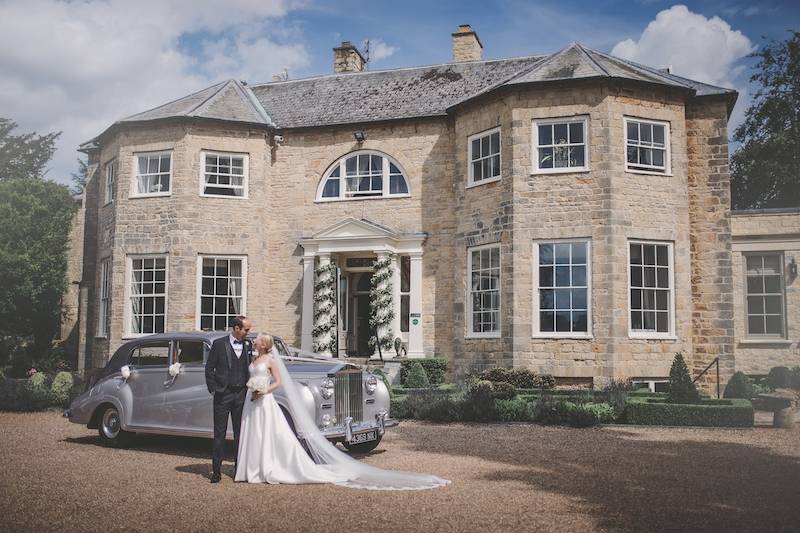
{"x":703,"y":373}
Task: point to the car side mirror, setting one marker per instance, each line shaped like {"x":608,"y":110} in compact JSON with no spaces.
{"x":127,"y":371}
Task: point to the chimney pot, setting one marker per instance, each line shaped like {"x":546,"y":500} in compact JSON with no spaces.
{"x":347,"y":58}
{"x":466,"y":45}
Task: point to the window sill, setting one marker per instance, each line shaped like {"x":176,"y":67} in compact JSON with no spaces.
{"x":648,"y":172}
{"x":562,"y":337}
{"x":571,"y":170}
{"x":472,"y":184}
{"x":762,"y":342}
{"x":224,"y":196}
{"x":481,"y":337}
{"x":101,"y":337}
{"x":360,"y":198}
{"x":108,"y":203}
{"x":652,"y":336}
{"x":153,"y":195}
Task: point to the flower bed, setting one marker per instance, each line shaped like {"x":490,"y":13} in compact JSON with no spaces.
{"x":709,"y":413}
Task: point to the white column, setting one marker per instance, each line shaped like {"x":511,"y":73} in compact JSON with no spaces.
{"x":306,"y":340}
{"x":395,"y":266}
{"x":324,"y":260}
{"x":381,"y":256}
{"x":415,"y":308}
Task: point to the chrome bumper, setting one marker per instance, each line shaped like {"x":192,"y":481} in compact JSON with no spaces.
{"x":348,"y":429}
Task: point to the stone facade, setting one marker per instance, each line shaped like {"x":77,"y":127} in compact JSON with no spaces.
{"x":281,"y":228}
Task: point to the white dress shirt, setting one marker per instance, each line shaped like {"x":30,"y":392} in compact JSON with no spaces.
{"x":236,"y":345}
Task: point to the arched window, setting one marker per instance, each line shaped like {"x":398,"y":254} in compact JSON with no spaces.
{"x":363,"y":174}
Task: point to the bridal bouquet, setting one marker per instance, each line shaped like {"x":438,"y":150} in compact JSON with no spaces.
{"x":258,"y":384}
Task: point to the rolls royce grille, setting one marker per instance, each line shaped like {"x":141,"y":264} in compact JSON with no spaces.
{"x":348,"y":393}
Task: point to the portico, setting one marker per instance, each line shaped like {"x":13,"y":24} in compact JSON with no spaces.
{"x":353,"y":245}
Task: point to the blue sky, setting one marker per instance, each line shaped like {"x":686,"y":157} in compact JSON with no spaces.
{"x":78,"y":66}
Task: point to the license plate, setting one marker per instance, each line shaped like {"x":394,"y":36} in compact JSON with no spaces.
{"x":358,"y":438}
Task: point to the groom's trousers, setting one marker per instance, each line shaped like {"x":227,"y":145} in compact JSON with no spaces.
{"x":229,"y":402}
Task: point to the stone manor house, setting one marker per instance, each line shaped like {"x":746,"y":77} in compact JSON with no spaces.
{"x":568,"y":213}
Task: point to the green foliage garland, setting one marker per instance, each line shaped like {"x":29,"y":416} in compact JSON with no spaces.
{"x":380,"y":299}
{"x":324,"y":332}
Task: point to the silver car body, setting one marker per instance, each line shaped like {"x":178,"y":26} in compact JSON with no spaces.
{"x":150,"y":400}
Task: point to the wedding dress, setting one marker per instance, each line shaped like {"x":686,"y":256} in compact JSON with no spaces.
{"x":269,"y":451}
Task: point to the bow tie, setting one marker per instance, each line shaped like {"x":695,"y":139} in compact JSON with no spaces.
{"x":237,"y":342}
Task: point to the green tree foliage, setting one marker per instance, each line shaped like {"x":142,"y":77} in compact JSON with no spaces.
{"x":765,"y":170}
{"x":681,"y":388}
{"x":24,"y":156}
{"x":417,"y":377}
{"x":33,"y":248}
{"x":739,"y":386}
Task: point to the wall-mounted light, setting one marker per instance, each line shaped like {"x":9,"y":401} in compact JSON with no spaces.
{"x":278,"y":139}
{"x":360,"y":136}
{"x":793,"y":268}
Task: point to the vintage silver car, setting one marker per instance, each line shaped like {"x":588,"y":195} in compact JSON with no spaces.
{"x":349,"y":405}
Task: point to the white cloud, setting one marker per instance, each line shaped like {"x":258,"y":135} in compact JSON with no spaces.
{"x":379,"y":50}
{"x":79,"y":66}
{"x":693,"y":46}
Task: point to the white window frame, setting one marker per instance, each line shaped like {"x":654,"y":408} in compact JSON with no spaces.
{"x":537,"y":333}
{"x":104,"y":299}
{"x":642,"y":334}
{"x":199,"y":291}
{"x":342,"y":164}
{"x":245,"y":169}
{"x":584,"y":119}
{"x":112,"y":175}
{"x":128,"y":315}
{"x":468,"y":301}
{"x":667,"y":171}
{"x":782,"y":294}
{"x":135,"y":181}
{"x":470,"y":177}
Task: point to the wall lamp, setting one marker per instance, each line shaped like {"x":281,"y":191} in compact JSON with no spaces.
{"x":360,"y":136}
{"x":793,"y":268}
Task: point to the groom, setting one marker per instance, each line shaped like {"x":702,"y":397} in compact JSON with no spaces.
{"x":226,"y":378}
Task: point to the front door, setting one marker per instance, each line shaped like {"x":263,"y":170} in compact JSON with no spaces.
{"x":362,"y":328}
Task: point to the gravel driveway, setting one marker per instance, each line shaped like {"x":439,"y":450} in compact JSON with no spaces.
{"x":520,"y":477}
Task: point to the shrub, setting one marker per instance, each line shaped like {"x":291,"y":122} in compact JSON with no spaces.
{"x":399,"y":407}
{"x":545,"y":382}
{"x":496,"y":375}
{"x":759,"y":388}
{"x":550,"y":410}
{"x":515,"y":410}
{"x":435,"y":368}
{"x":711,"y":413}
{"x":523,"y":378}
{"x":416,"y":377}
{"x":503,"y":391}
{"x":38,"y":381}
{"x":606,"y":413}
{"x":479,"y":403}
{"x":581,"y":416}
{"x":61,"y":388}
{"x":681,"y":388}
{"x":739,"y":387}
{"x":794,"y":377}
{"x":779,"y":377}
{"x":20,"y":395}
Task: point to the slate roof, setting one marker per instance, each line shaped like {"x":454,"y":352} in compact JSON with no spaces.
{"x":425,"y":91}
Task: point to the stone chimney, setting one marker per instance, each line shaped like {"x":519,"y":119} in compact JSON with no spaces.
{"x":347,"y":58}
{"x":466,"y":45}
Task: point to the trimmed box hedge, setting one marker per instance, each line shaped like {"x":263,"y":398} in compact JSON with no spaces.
{"x":435,"y":368}
{"x":709,"y":413}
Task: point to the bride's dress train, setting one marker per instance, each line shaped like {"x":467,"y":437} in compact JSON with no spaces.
{"x":268,"y":450}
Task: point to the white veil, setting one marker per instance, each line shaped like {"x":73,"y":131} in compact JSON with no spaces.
{"x":354,"y":473}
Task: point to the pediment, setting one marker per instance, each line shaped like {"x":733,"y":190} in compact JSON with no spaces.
{"x":352,"y":228}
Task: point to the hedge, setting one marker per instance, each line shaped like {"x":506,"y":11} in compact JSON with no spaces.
{"x":435,"y":368}
{"x":709,"y":413}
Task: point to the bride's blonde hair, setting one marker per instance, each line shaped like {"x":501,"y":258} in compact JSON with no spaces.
{"x":266,"y":341}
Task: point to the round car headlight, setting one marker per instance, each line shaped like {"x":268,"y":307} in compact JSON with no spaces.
{"x":326,"y":420}
{"x":326,"y":388}
{"x":372,"y":384}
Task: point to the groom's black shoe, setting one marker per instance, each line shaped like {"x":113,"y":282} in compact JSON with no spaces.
{"x":216,"y":477}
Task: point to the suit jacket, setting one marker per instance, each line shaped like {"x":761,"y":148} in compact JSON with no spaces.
{"x":220,"y":360}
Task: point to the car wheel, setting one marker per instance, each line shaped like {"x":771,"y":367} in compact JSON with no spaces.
{"x":363,"y":447}
{"x":110,"y":429}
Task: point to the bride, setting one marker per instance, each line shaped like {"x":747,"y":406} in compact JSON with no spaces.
{"x":269,"y":452}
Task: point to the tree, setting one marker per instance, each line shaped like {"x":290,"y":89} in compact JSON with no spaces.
{"x":80,"y":177}
{"x":765,"y":170}
{"x":33,"y":264}
{"x":681,"y":388}
{"x":24,"y":156}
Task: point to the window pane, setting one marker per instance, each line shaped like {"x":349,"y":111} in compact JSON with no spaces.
{"x":773,"y":325}
{"x":755,"y":325}
{"x":547,"y":321}
{"x":772,"y":284}
{"x":331,"y":189}
{"x":662,"y":322}
{"x":755,"y":305}
{"x":576,"y":156}
{"x":649,"y":276}
{"x":662,"y":278}
{"x":754,"y":264}
{"x":636,"y":320}
{"x":646,"y":133}
{"x":545,"y":135}
{"x":477,"y":173}
{"x":545,"y":158}
{"x":494,"y":143}
{"x":636,"y":254}
{"x":578,"y":298}
{"x":546,"y":255}
{"x":576,"y":132}
{"x":755,"y":285}
{"x":772,"y":264}
{"x":547,"y":299}
{"x":476,"y":149}
{"x":579,"y":253}
{"x":561,"y":156}
{"x":649,"y":320}
{"x":636,"y":276}
{"x":404,"y":312}
{"x":579,"y":321}
{"x":546,"y":276}
{"x":632,"y":155}
{"x":562,"y":298}
{"x":633,"y":131}
{"x":636,"y":298}
{"x":662,"y":300}
{"x":772,"y":305}
{"x":578,"y":276}
{"x":658,"y":158}
{"x":563,"y":321}
{"x":562,"y":254}
{"x":560,"y":133}
{"x":485,"y":146}
{"x":562,"y":276}
{"x":658,"y":134}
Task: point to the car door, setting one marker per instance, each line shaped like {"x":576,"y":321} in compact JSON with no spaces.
{"x":187,"y":403}
{"x":150,"y":363}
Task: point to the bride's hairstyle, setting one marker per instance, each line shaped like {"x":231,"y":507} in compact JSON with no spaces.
{"x":266,"y":341}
